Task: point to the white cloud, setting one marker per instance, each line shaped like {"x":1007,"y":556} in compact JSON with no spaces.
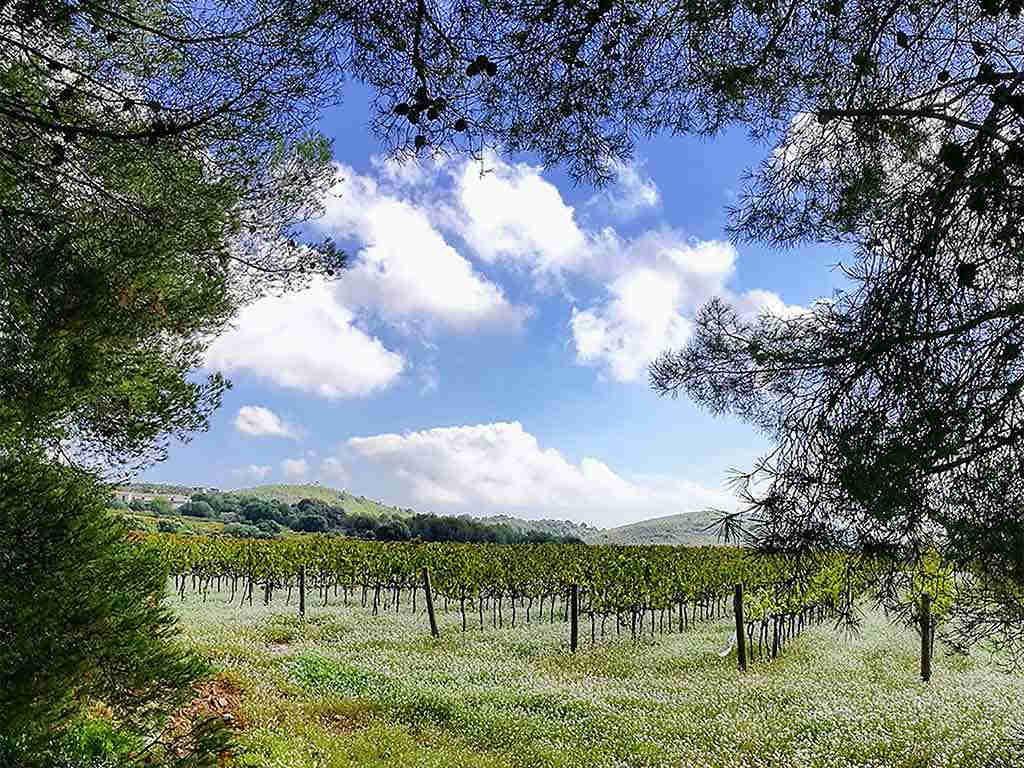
{"x":408,"y":172}
{"x":406,"y":267}
{"x":333,"y":471}
{"x":256,"y":420}
{"x":306,"y":341}
{"x":650,"y":305}
{"x":757,"y":302}
{"x":501,"y":468}
{"x":632,"y":191}
{"x":294,"y":469}
{"x":410,"y":276}
{"x":510,"y":212}
{"x":254,"y":471}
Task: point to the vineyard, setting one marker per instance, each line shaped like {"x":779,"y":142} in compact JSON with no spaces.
{"x":350,"y":675}
{"x":620,"y":591}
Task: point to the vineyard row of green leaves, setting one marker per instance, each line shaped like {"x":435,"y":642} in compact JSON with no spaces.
{"x":612,"y":579}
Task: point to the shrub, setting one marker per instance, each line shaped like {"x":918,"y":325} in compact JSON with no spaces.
{"x":245,"y":531}
{"x":168,"y":526}
{"x":82,"y":619}
{"x":196,"y":509}
{"x":311,"y":523}
{"x":269,"y":526}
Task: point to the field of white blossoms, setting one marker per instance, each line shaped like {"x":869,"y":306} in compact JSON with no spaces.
{"x":345,"y":688}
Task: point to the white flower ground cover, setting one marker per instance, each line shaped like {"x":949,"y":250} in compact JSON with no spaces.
{"x":344,"y":688}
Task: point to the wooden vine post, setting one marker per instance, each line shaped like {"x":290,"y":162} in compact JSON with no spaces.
{"x":302,"y":590}
{"x":574,"y":611}
{"x":252,"y":575}
{"x":430,"y":602}
{"x":926,"y":631}
{"x":741,"y":637}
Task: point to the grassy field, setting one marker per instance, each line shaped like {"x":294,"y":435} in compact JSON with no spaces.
{"x":344,"y":688}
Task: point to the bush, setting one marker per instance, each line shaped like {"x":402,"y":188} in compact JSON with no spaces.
{"x":311,"y":523}
{"x":83,"y":619}
{"x":160,"y":506}
{"x":196,"y":509}
{"x":393,"y":530}
{"x":269,"y":526}
{"x":168,"y":526}
{"x":135,"y":524}
{"x":245,"y":531}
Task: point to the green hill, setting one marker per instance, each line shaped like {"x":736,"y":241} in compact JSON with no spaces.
{"x":353,"y":505}
{"x":553,"y":527}
{"x":689,"y":528}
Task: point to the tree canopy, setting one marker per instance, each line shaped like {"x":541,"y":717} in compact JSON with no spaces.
{"x":156,"y":164}
{"x":83,"y":621}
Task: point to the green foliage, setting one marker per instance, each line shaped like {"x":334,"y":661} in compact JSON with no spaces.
{"x":613,"y":580}
{"x":247,"y":514}
{"x":324,"y":675}
{"x":246,"y":531}
{"x":132,"y":523}
{"x":82,"y":617}
{"x":160,"y":506}
{"x":689,"y":529}
{"x":196,"y":509}
{"x":293,"y":494}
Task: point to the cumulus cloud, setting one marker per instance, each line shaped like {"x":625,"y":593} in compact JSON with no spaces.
{"x":649,"y":305}
{"x":253,"y":471}
{"x":405,"y":267}
{"x":333,"y":471}
{"x":416,"y":226}
{"x":501,"y":468}
{"x":258,"y":421}
{"x":294,"y":469}
{"x":306,"y":341}
{"x":633,"y":191}
{"x":632,"y":328}
{"x":758,"y":302}
{"x":509,"y":212}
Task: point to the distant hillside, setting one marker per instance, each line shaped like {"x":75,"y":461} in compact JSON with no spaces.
{"x":689,"y":528}
{"x":167,"y":489}
{"x":353,"y":505}
{"x":553,"y":527}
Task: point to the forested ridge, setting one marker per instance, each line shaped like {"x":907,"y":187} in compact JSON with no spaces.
{"x":245,"y":516}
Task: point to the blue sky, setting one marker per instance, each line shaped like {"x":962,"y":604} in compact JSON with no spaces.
{"x":487,"y":352}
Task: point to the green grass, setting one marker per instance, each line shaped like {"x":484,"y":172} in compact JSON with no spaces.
{"x":344,"y":688}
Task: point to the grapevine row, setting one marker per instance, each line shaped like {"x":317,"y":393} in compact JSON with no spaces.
{"x":635,"y":589}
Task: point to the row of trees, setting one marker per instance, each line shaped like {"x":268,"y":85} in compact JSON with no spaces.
{"x":252,"y":517}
